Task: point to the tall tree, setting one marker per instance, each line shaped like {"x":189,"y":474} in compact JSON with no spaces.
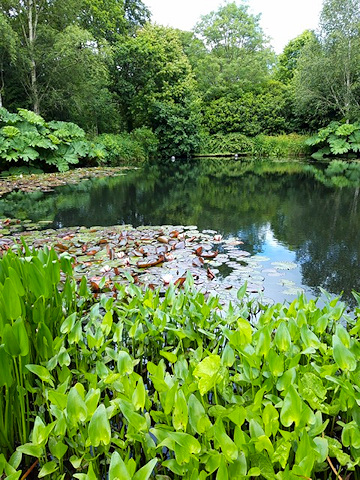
{"x":238,"y":52}
{"x":156,"y":88}
{"x":8,"y":47}
{"x":328,"y":77}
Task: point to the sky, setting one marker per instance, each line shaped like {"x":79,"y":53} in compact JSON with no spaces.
{"x":282,"y":20}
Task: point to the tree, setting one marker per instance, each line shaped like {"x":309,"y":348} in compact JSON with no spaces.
{"x":288,"y":59}
{"x":84,"y":96}
{"x":8,"y":45}
{"x":156,"y":88}
{"x":238,"y":55}
{"x":328,"y":76}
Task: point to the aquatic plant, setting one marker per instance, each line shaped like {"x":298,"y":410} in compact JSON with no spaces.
{"x":139,"y":384}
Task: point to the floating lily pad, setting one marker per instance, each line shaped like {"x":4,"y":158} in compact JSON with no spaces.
{"x":284,"y":265}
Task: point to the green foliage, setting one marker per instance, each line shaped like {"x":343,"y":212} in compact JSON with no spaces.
{"x":25,"y":138}
{"x":249,"y":113}
{"x":280,"y":146}
{"x":137,"y":147}
{"x":175,"y":382}
{"x":336,"y":139}
{"x":327,"y":79}
{"x":288,"y":59}
{"x":237,"y":53}
{"x":157,"y":89}
{"x":32,"y":308}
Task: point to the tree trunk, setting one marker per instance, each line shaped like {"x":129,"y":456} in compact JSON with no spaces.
{"x":32,"y":24}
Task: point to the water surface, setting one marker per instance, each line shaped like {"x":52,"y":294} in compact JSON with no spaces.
{"x":279,"y":210}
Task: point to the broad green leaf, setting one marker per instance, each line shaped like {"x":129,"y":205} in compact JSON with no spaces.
{"x":124,"y":363}
{"x":207,"y":372}
{"x":57,"y":448}
{"x":227,"y":446}
{"x":343,"y":357}
{"x":48,"y":468}
{"x":197,"y":416}
{"x":42,"y":372}
{"x":145,"y":472}
{"x":134,"y":419}
{"x":12,"y":300}
{"x":31,"y":449}
{"x":76,"y":407}
{"x":99,"y":427}
{"x":292,"y":408}
{"x":139,"y":395}
{"x":68,"y":323}
{"x":41,"y":432}
{"x":270,"y":417}
{"x":282,"y":338}
{"x":180,"y":412}
{"x":118,"y":470}
{"x":6,"y":377}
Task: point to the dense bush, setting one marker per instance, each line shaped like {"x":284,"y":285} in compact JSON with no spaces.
{"x":137,"y":147}
{"x":280,"y":146}
{"x":139,"y":385}
{"x":249,"y":113}
{"x":27,"y":139}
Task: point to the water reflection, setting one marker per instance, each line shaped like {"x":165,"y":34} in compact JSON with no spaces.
{"x":279,"y":210}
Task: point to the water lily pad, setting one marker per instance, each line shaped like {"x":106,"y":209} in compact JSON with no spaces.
{"x":284,"y":265}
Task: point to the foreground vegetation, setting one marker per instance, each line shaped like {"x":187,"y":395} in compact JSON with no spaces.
{"x":135,"y":385}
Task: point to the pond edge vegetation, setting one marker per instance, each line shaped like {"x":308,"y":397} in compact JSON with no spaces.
{"x":137,"y":385}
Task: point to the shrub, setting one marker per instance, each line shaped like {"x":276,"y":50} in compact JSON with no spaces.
{"x":280,"y":146}
{"x":137,"y":147}
{"x":28,"y":140}
{"x":337,"y":139}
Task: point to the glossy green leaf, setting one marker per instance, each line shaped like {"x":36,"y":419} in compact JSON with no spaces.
{"x":76,"y":407}
{"x":180,"y":413}
{"x":124,"y":363}
{"x":48,"y":468}
{"x":99,"y":427}
{"x":207,"y":373}
{"x":139,"y":395}
{"x":42,"y":372}
{"x":292,"y":408}
{"x":12,"y":301}
{"x":6,"y":373}
{"x":227,"y":446}
{"x":197,"y":416}
{"x":118,"y":470}
{"x":344,"y":358}
{"x":145,"y":472}
{"x":282,"y":338}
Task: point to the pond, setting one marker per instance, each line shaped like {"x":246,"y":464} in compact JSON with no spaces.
{"x":305,"y":232}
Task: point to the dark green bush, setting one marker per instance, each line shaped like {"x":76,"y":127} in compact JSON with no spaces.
{"x":280,"y":146}
{"x":134,"y":148}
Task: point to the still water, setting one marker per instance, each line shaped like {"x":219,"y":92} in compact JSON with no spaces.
{"x":279,"y":210}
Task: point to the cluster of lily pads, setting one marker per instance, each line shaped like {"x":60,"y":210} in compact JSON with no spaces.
{"x":145,"y":383}
{"x":155,"y":257}
{"x":46,"y":182}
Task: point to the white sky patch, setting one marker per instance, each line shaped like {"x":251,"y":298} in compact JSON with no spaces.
{"x":282,"y":20}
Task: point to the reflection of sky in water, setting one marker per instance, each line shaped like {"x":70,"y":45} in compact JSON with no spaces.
{"x":277,"y":252}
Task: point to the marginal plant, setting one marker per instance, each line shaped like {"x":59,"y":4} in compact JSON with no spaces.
{"x":144,"y":385}
{"x":28,"y":140}
{"x":337,"y":139}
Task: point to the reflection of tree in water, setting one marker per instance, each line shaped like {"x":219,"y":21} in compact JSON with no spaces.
{"x":319,"y":223}
{"x":324,"y":231}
